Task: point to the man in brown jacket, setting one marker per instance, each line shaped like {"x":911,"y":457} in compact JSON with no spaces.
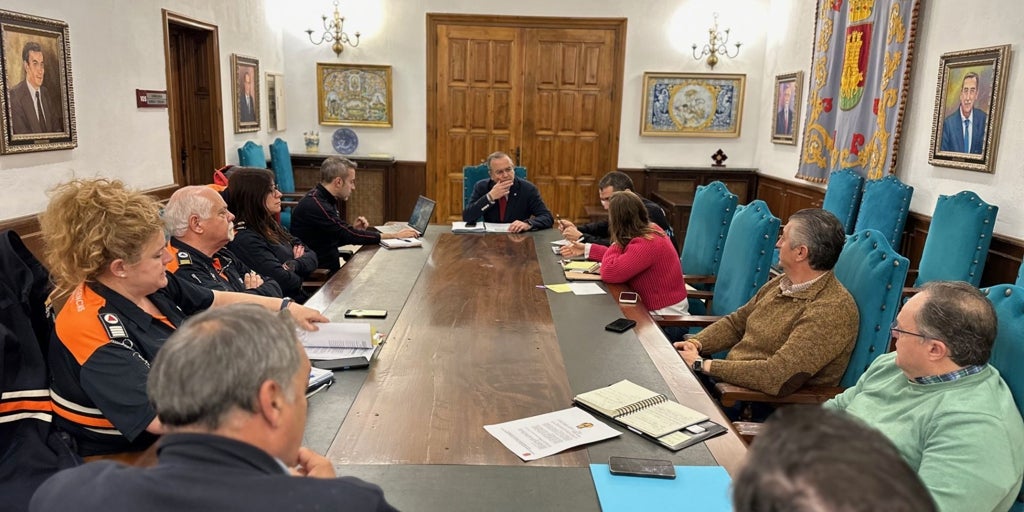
{"x":798,"y":329}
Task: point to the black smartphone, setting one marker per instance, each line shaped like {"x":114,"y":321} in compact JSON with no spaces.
{"x":654,"y":468}
{"x":366,"y":313}
{"x":620,"y":325}
{"x":345,"y":363}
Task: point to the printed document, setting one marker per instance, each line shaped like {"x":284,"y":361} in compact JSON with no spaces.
{"x":547,"y":434}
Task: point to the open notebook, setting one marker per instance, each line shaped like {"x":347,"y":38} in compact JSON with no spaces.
{"x":650,"y":414}
{"x":419,"y":219}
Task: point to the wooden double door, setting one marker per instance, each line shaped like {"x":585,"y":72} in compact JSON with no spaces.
{"x":547,"y":91}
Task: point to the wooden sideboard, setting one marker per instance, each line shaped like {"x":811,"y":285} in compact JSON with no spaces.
{"x":674,"y":187}
{"x":376,"y":182}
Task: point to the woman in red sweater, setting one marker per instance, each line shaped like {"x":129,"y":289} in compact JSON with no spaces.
{"x":642,"y":256}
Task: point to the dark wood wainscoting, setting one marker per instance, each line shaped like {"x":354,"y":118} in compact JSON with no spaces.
{"x":787,"y":197}
{"x":27,"y":227}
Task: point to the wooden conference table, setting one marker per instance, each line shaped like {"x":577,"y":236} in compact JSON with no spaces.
{"x":472,"y":341}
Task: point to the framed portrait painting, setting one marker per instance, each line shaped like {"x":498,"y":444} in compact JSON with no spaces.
{"x":245,"y":91}
{"x":969,"y":108}
{"x":37,"y":104}
{"x":276,"y":121}
{"x":353,"y":94}
{"x":786,"y":108}
{"x":692,"y":105}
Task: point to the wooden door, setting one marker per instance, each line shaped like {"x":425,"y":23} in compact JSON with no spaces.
{"x":545,"y":90}
{"x":478,"y":109}
{"x":569,"y":140}
{"x":193,"y":85}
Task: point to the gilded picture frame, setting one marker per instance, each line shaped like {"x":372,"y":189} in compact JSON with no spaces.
{"x":692,"y":104}
{"x":973,"y":81}
{"x":35,"y":75}
{"x":788,"y":95}
{"x":245,"y":93}
{"x":354,"y":94}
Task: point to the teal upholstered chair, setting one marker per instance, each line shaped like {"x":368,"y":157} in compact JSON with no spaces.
{"x":746,"y":261}
{"x":710,"y":218}
{"x":1020,"y":276}
{"x":842,"y":197}
{"x":873,"y":273}
{"x":884,"y":206}
{"x":251,"y":155}
{"x":281,"y":160}
{"x":1008,"y":351}
{"x":471,"y":174}
{"x":958,"y":239}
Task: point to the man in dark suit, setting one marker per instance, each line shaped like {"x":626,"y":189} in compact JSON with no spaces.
{"x":33,"y":108}
{"x":503,"y":198}
{"x":784,"y":117}
{"x":229,"y":388}
{"x":964,"y":130}
{"x":246,"y":102}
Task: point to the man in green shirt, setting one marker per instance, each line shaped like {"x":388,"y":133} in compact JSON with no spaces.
{"x":948,"y":412}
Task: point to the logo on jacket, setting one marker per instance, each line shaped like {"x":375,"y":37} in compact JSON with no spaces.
{"x":184,"y":258}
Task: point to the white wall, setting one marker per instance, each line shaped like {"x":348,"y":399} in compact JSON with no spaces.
{"x":112,"y":58}
{"x":942,"y":28}
{"x":659,"y":35}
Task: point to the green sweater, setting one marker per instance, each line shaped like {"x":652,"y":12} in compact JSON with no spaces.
{"x":964,"y":438}
{"x":781,"y":342}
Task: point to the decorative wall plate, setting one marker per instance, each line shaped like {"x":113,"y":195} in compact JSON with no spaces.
{"x":345,"y":141}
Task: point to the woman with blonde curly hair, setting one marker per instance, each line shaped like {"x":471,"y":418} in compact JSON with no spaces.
{"x":105,"y":248}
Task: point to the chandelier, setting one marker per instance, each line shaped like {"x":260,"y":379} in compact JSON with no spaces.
{"x":716,"y":45}
{"x":333,"y":33}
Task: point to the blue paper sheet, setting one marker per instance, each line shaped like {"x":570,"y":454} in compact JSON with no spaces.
{"x":703,"y":488}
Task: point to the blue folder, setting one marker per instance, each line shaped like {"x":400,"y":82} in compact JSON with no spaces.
{"x":703,"y":488}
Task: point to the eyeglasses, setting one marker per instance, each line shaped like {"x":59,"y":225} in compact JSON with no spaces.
{"x":895,"y":332}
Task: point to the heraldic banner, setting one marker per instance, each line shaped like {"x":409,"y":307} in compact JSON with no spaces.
{"x":859,"y":80}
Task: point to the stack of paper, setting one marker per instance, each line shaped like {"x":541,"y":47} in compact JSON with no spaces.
{"x":461,"y":227}
{"x":399,"y":243}
{"x":338,"y":340}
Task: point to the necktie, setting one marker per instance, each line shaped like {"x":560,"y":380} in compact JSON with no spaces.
{"x":967,"y":134}
{"x":39,"y":108}
{"x":502,"y":203}
{"x":785,"y":121}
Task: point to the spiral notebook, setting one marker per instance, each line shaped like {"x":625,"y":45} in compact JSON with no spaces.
{"x":650,"y":414}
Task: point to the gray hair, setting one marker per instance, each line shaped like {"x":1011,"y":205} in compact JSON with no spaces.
{"x":959,"y":315}
{"x":617,"y":180}
{"x":496,"y":155}
{"x":218,"y":360}
{"x":822,"y":233}
{"x":184,"y":203}
{"x":335,"y":166}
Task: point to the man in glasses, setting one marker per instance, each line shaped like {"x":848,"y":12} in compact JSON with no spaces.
{"x":948,"y":412}
{"x":597,"y":232}
{"x":503,"y":198}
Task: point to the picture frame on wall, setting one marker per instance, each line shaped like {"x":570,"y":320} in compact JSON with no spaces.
{"x":37,"y":104}
{"x":968,"y":109}
{"x":276,"y":117}
{"x":354,"y":94}
{"x":245,"y":91}
{"x":788,"y":95}
{"x":692,"y":104}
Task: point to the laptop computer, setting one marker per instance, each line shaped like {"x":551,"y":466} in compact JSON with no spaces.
{"x":419,"y":219}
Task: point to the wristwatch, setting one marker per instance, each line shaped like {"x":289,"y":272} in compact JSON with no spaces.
{"x":284,"y":303}
{"x":698,"y":365}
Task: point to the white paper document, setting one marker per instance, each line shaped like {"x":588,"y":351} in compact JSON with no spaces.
{"x":586,"y":288}
{"x":461,"y":227}
{"x":547,"y":434}
{"x":494,"y":227}
{"x":336,"y":340}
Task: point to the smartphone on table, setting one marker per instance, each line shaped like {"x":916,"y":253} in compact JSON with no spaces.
{"x":366,"y":313}
{"x":653,"y":468}
{"x":620,"y":325}
{"x":628,"y":297}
